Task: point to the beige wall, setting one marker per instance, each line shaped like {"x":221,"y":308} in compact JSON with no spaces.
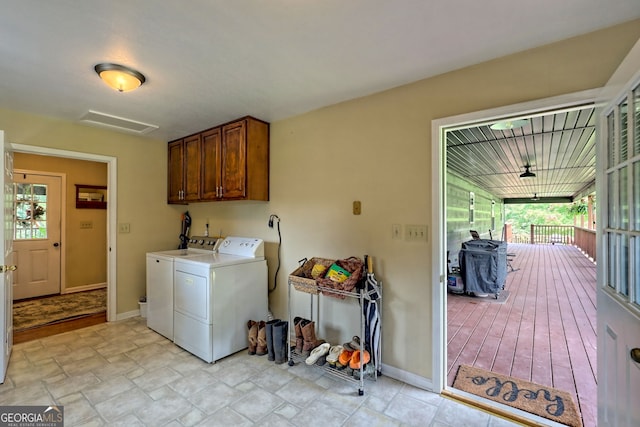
{"x":141,"y":173}
{"x":375,"y":149}
{"x":82,"y":247}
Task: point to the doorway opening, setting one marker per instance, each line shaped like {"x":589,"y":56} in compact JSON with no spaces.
{"x":111,"y":210}
{"x":494,"y":176}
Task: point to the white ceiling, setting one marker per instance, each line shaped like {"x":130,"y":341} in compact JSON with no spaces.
{"x":211,"y":61}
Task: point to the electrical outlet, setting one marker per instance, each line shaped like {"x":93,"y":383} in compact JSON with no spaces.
{"x":396,"y":232}
{"x":357,"y":207}
{"x":416,"y":233}
{"x":124,"y":227}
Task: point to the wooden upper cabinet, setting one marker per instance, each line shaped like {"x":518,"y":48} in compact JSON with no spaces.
{"x":184,"y":170}
{"x":210,"y":154}
{"x":232,"y":162}
{"x":175,"y":184}
{"x":192,"y":168}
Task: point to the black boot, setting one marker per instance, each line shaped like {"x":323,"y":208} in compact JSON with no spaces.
{"x":280,"y":338}
{"x":271,"y":355}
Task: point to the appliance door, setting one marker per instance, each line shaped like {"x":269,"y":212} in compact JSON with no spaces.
{"x":192,"y":310}
{"x":191,"y":296}
{"x":160,"y":295}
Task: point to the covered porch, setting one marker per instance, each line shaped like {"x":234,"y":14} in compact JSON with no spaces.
{"x":545,"y":331}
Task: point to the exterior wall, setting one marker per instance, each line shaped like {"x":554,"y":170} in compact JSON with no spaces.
{"x":458,"y":218}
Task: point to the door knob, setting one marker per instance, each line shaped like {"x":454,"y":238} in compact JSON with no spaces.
{"x":5,"y":268}
{"x":635,"y":354}
{"x":56,"y":244}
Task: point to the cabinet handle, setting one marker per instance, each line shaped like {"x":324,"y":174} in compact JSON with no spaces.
{"x":220,"y":191}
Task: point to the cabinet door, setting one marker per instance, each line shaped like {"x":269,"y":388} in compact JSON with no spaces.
{"x":210,"y":158}
{"x":192,"y":168}
{"x":233,"y":166}
{"x":176,"y":172}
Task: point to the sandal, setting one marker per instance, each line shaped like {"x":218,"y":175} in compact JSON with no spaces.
{"x":334,"y":353}
{"x":353,"y":345}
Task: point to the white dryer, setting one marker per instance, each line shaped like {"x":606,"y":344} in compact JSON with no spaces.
{"x":216,"y":294}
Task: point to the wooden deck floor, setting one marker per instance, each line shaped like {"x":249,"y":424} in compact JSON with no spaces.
{"x":545,"y":331}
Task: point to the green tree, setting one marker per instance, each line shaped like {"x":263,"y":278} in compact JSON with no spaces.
{"x":521,"y":216}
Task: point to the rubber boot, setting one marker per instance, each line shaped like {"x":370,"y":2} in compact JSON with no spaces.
{"x":252,"y":327}
{"x":297,"y":324}
{"x":280,"y":338}
{"x":261,"y":348}
{"x":309,"y":335}
{"x":269,"y":334}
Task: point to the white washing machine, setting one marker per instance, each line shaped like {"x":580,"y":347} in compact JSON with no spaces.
{"x":216,"y":294}
{"x":160,"y":271}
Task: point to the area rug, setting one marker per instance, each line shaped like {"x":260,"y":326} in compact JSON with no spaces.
{"x":49,"y":310}
{"x":543,"y":401}
{"x":503,"y":296}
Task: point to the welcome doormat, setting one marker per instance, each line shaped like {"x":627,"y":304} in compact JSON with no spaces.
{"x":540,"y":400}
{"x":46,"y":311}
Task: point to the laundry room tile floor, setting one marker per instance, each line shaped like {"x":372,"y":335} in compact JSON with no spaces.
{"x":123,"y":373}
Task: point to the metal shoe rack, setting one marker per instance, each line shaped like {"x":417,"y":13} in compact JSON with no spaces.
{"x":316,"y":291}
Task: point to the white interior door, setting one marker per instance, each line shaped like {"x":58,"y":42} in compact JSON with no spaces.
{"x":7,"y":268}
{"x":619,"y":249}
{"x":36,"y":245}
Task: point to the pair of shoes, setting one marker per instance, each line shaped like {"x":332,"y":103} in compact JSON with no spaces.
{"x":353,"y":345}
{"x":305,"y":336}
{"x":252,"y":331}
{"x":257,"y":335}
{"x":317,"y":352}
{"x":359,"y":358}
{"x":334,"y":353}
{"x":353,"y":359}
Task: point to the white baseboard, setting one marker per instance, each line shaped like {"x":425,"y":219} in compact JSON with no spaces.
{"x":407,"y":377}
{"x":127,"y":315}
{"x":91,"y":287}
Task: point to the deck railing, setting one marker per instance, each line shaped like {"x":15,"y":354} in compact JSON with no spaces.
{"x":552,"y":234}
{"x":585,"y":239}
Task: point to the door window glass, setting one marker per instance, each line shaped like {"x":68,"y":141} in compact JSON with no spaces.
{"x":30,"y":209}
{"x":611,"y":254}
{"x":611,"y":138}
{"x":624,"y":199}
{"x":624,"y":140}
{"x":613,"y":206}
{"x":636,"y":262}
{"x":636,"y":195}
{"x":636,"y":120}
{"x":624,"y":265}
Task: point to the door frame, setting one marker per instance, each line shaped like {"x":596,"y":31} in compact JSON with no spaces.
{"x":63,"y":214}
{"x":111,"y":210}
{"x":439,"y":213}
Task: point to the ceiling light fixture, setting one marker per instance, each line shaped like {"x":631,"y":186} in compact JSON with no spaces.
{"x":509,"y":124}
{"x":119,"y":77}
{"x":527,"y":173}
